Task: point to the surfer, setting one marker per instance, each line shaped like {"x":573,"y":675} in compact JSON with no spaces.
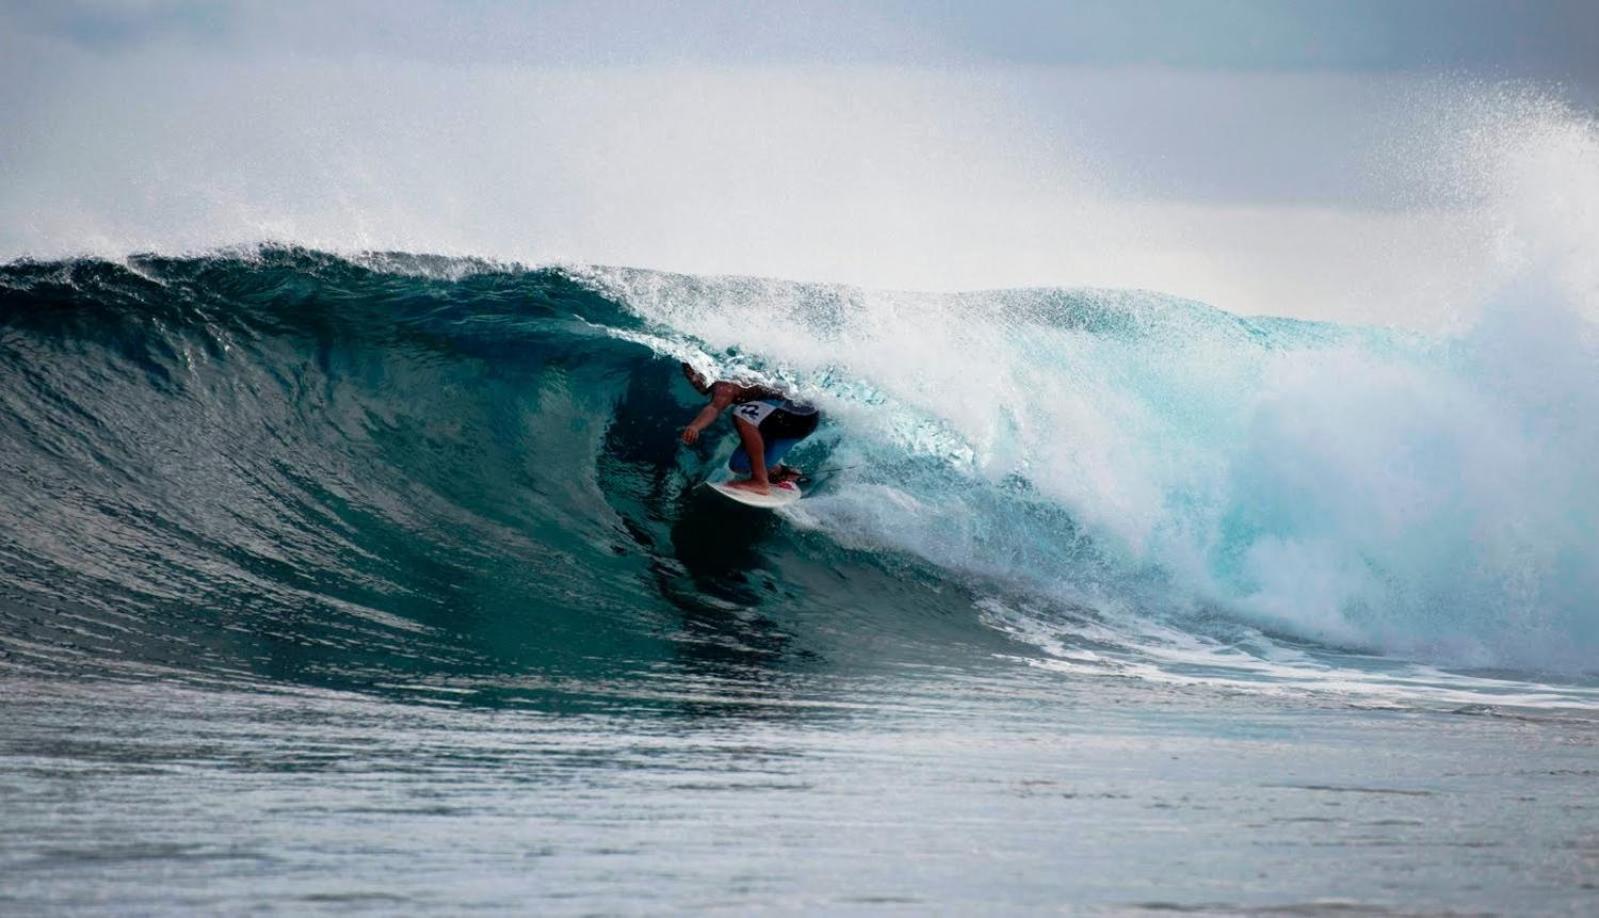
{"x":768,"y":423}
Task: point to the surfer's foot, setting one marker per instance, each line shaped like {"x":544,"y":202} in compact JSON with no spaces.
{"x":750,"y":484}
{"x":784,"y":473}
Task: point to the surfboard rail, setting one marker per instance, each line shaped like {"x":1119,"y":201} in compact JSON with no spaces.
{"x":780,"y":495}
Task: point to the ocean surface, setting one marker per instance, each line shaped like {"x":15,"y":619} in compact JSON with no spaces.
{"x":381,"y":584}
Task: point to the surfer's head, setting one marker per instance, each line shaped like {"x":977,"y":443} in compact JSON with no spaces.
{"x":696,"y":379}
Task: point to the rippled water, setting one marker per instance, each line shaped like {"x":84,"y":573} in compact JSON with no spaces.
{"x":915,"y":790}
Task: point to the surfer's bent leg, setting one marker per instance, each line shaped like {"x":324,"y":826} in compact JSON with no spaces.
{"x":750,"y":420}
{"x":785,"y":427}
{"x":755,"y":448}
{"x":767,"y":431}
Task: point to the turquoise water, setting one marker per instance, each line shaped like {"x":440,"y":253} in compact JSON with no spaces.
{"x":381,"y":584}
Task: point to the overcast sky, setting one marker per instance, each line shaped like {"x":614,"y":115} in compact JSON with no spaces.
{"x":1544,"y":39}
{"x":1307,"y":158}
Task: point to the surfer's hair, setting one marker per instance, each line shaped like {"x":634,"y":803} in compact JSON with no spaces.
{"x":696,"y":378}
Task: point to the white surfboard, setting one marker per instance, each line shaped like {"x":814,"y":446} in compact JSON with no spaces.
{"x":778,"y":495}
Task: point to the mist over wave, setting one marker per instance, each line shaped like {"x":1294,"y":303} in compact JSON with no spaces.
{"x":1389,"y":199}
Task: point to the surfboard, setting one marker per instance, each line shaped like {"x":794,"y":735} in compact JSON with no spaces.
{"x":779,"y":495}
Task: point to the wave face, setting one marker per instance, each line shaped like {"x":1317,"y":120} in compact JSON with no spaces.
{"x":288,"y":465}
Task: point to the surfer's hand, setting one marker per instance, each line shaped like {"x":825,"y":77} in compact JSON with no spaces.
{"x":690,"y":435}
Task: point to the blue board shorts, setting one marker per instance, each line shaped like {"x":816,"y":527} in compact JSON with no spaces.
{"x":781,"y":423}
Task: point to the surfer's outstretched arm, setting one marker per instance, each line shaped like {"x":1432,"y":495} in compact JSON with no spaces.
{"x":721,"y":397}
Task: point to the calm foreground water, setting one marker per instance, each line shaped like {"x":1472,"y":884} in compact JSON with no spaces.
{"x":930,"y":790}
